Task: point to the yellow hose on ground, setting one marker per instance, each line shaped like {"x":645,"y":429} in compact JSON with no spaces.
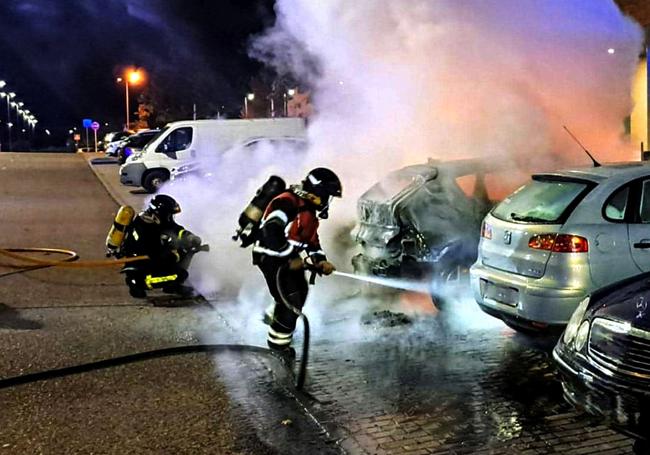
{"x":14,"y":253}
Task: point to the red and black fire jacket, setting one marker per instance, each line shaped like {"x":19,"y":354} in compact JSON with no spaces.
{"x":289,"y":226}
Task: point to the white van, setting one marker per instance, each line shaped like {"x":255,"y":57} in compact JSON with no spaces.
{"x":186,"y":141}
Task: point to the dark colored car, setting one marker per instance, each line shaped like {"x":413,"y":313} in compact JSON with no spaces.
{"x":134,"y":143}
{"x":604,"y":357}
{"x":423,"y":221}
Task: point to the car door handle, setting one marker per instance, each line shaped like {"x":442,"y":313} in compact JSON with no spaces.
{"x":642,"y":245}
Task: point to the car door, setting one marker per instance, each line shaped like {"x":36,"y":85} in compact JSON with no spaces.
{"x":178,"y":144}
{"x":610,"y":258}
{"x":639,"y":228}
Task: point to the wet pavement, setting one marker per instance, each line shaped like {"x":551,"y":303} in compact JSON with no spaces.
{"x":379,"y":382}
{"x":434,"y":386}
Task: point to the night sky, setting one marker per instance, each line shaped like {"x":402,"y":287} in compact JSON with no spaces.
{"x":62,"y":57}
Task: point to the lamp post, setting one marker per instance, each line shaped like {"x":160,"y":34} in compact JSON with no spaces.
{"x":289,"y":93}
{"x":247,"y":98}
{"x":8,"y":96}
{"x":133,"y":77}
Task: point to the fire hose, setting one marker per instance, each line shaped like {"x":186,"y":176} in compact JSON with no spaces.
{"x":124,"y":360}
{"x":35,"y":263}
{"x":69,"y":262}
{"x":304,"y":358}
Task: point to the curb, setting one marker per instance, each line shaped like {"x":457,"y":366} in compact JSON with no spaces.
{"x":88,"y":156}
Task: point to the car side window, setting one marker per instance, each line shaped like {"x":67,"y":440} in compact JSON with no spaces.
{"x":177,"y":140}
{"x":616,"y":205}
{"x":644,"y":208}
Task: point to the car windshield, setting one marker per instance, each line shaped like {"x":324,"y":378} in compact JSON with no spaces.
{"x":152,"y":139}
{"x":540,"y":201}
{"x":140,"y":140}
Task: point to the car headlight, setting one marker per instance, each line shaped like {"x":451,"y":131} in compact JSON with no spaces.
{"x":581,"y":336}
{"x":574,"y":323}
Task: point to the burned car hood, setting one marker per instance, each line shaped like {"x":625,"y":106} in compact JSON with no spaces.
{"x":425,"y":198}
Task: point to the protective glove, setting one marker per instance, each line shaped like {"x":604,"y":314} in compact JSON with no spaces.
{"x":296,"y":264}
{"x":195,"y":241}
{"x":326,"y":267}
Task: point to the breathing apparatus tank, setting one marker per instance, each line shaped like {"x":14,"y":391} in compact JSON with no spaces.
{"x":115,"y":236}
{"x":250,"y":218}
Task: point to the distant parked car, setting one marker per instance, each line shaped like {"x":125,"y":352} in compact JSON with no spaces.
{"x":604,"y":357}
{"x":134,"y":143}
{"x":113,"y":140}
{"x":423,"y":221}
{"x":558,"y":238}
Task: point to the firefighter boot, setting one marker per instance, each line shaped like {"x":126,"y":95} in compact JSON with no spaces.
{"x":136,"y":289}
{"x":267,"y":319}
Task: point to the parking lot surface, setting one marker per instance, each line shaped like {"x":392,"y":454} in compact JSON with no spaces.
{"x":387,"y":375}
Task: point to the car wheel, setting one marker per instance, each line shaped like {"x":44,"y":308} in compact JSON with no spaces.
{"x":641,"y":447}
{"x":439,"y":302}
{"x":154,"y":180}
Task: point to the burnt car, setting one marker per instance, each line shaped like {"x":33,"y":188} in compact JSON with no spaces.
{"x":424,"y":221}
{"x":603,"y":357}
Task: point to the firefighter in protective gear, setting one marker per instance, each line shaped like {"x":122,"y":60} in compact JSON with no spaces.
{"x":170,"y":248}
{"x":290,"y":227}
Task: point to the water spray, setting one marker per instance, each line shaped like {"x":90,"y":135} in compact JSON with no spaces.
{"x":395,"y":283}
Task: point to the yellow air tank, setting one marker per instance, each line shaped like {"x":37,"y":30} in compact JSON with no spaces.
{"x":115,"y":236}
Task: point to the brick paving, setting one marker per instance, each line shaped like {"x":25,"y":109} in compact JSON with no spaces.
{"x":424,"y":389}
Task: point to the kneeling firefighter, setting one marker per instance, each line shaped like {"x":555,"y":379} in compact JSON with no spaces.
{"x":288,"y":228}
{"x":169,"y":246}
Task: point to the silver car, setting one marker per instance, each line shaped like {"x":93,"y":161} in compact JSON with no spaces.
{"x":559,"y":237}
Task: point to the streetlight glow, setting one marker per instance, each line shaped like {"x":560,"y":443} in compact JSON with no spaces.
{"x":2,"y":84}
{"x":611,"y":50}
{"x":291,"y":92}
{"x":134,"y":77}
{"x":250,"y":96}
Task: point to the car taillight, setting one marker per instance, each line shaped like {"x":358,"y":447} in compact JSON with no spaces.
{"x":559,"y":243}
{"x":486,"y":230}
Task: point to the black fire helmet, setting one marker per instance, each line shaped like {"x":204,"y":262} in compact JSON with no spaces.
{"x":163,"y":207}
{"x":323,"y":182}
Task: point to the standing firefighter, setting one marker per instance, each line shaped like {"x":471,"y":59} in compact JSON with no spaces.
{"x":290,"y":227}
{"x":169,"y":246}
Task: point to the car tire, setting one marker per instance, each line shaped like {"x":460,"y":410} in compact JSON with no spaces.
{"x":154,"y":180}
{"x":641,"y":447}
{"x":439,"y":302}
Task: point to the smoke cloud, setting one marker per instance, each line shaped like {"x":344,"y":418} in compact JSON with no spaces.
{"x":394,"y":83}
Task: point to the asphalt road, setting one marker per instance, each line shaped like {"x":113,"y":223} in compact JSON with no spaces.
{"x":388,"y":374}
{"x":53,"y":318}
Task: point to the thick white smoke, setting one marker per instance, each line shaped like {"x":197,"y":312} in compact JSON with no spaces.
{"x":395,"y":82}
{"x":400,"y":81}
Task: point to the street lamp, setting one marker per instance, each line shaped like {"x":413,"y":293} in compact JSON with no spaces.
{"x":247,"y":98}
{"x":132,"y":77}
{"x":6,"y":95}
{"x":9,"y":96}
{"x":2,"y":84}
{"x":289,"y":92}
